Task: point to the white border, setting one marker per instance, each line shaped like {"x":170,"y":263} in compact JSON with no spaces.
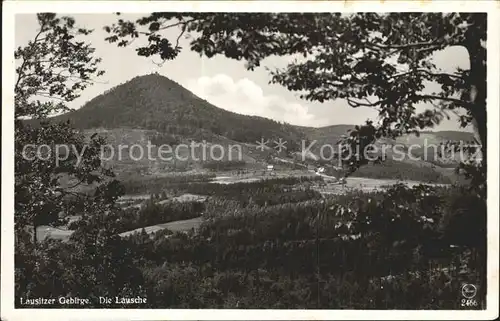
{"x":10,"y":8}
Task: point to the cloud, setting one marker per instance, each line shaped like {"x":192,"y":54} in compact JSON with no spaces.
{"x":246,"y":97}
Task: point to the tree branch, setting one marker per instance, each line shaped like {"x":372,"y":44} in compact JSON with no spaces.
{"x":356,"y":104}
{"x":426,"y":46}
{"x":16,"y":87}
{"x":426,"y":72}
{"x":449,"y":99}
{"x":410,"y":45}
{"x":179,"y":37}
{"x":177,"y":24}
{"x":47,"y":95}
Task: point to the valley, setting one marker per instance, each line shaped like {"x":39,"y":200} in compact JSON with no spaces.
{"x":172,"y":116}
{"x":306,"y":181}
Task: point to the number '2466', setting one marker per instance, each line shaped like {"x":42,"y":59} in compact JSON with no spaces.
{"x":468,"y":303}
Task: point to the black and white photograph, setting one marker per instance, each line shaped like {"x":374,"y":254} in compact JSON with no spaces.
{"x":250,"y":160}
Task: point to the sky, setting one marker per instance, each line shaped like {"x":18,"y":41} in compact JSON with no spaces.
{"x":221,"y":81}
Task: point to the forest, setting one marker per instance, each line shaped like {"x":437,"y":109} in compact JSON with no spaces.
{"x":399,"y":249}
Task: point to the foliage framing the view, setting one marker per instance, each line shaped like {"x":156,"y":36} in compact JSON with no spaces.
{"x":53,"y":69}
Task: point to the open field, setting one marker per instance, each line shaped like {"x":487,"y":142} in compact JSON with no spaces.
{"x":177,"y":226}
{"x":365,"y":185}
{"x":44,"y":231}
{"x":357,"y":183}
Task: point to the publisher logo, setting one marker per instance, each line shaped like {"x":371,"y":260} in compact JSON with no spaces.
{"x":469,"y":291}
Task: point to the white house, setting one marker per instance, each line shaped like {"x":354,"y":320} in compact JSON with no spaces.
{"x":270,"y":169}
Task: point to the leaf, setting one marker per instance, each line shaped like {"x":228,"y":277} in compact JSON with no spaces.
{"x":155,"y":26}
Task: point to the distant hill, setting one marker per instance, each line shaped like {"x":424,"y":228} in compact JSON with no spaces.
{"x":181,"y":158}
{"x":333,"y":133}
{"x":154,"y":102}
{"x":329,"y":134}
{"x":423,"y":145}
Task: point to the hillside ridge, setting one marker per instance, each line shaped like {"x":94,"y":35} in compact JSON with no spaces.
{"x":155,"y":102}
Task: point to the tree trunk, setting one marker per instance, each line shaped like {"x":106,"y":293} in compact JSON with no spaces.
{"x":477,"y":97}
{"x":476,"y":48}
{"x":35,"y":240}
{"x":479,"y":124}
